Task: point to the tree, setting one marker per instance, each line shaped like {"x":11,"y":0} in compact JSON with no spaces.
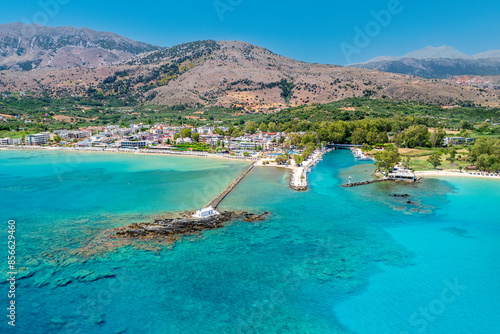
{"x":298,"y":159}
{"x":437,"y":137}
{"x":196,"y":137}
{"x":466,"y":125}
{"x":435,"y":159}
{"x":309,"y":138}
{"x":453,"y":154}
{"x":281,"y":159}
{"x":387,"y":159}
{"x":495,"y":167}
{"x":271,"y":127}
{"x":218,"y":131}
{"x":359,"y":136}
{"x":486,"y":161}
{"x":250,"y":127}
{"x":57,"y":139}
{"x":372,"y":138}
{"x":416,"y":135}
{"x":186,"y":133}
{"x":263,"y":127}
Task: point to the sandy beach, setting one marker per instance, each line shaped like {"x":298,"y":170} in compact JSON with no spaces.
{"x":129,"y":151}
{"x":441,"y":173}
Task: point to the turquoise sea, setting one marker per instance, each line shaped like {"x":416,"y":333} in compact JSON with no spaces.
{"x":329,"y":260}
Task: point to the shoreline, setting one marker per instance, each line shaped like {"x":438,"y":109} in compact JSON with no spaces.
{"x":443,"y":173}
{"x":128,"y":151}
{"x":295,"y":171}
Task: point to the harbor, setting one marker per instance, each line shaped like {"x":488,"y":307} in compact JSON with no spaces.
{"x":298,"y":177}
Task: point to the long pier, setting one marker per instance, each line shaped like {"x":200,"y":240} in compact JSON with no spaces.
{"x":216,"y":201}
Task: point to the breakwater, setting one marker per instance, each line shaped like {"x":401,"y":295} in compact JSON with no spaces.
{"x":174,"y":228}
{"x":355,"y":184}
{"x":216,"y":201}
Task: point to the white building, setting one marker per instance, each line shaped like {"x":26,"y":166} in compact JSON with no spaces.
{"x":402,"y":174}
{"x":38,"y":139}
{"x":5,"y":141}
{"x":457,"y":141}
{"x":206,"y":212}
{"x":245,"y":145}
{"x":184,"y":140}
{"x":78,"y":134}
{"x":133,"y":144}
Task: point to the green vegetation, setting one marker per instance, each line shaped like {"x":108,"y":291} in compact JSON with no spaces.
{"x":435,"y":159}
{"x":417,"y":128}
{"x":485,"y":154}
{"x":193,"y":147}
{"x":281,"y":159}
{"x":387,"y":159}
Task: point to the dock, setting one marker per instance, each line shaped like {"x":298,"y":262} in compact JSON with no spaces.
{"x":216,"y":201}
{"x":298,"y":178}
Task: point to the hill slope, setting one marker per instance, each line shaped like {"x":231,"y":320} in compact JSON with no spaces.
{"x":235,"y":74}
{"x":24,"y":47}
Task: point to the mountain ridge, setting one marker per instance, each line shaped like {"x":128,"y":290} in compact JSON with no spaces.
{"x":230,"y":74}
{"x":437,"y":62}
{"x":25,"y":47}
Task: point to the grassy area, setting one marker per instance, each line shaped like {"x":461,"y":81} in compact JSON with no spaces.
{"x":419,"y":158}
{"x":15,"y":134}
{"x":194,"y":147}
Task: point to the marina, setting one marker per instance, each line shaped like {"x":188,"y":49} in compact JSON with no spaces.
{"x":298,"y":178}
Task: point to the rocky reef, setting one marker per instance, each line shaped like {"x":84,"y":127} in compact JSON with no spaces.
{"x":172,"y":228}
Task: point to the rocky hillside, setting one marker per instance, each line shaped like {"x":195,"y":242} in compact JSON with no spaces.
{"x":24,"y":47}
{"x":484,"y":82}
{"x":235,"y":74}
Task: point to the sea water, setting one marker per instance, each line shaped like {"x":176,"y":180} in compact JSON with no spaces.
{"x":329,"y":260}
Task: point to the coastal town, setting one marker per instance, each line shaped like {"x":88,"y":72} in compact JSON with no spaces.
{"x":265,"y":149}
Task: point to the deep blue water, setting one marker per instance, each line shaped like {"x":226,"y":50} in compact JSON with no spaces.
{"x":330,"y":260}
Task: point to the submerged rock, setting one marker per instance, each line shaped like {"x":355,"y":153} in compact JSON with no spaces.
{"x":184,"y":225}
{"x":401,"y":195}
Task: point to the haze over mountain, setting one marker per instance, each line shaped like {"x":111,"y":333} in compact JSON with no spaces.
{"x":24,"y":47}
{"x":437,"y":62}
{"x":203,"y":73}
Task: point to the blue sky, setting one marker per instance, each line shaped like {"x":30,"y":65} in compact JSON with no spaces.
{"x":313,"y":31}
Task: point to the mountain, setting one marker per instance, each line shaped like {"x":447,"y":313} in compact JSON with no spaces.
{"x":24,"y":47}
{"x":437,"y":62}
{"x":230,"y":74}
{"x":442,"y":52}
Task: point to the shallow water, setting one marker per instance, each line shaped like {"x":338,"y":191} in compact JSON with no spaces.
{"x":329,"y":260}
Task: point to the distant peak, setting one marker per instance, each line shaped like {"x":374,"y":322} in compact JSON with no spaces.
{"x":431,"y":52}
